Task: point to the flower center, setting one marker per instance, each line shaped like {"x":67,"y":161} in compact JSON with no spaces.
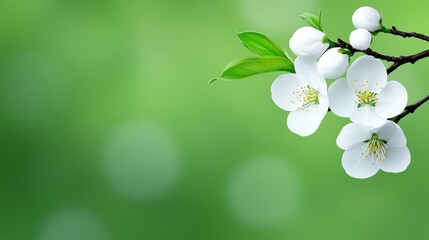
{"x":376,"y":148}
{"x":307,"y":95}
{"x":367,"y":98}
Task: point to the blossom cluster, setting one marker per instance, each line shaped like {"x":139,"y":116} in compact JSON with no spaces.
{"x":371,"y":142}
{"x":358,"y":89}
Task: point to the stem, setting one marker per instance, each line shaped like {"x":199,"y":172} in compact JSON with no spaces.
{"x":397,"y":61}
{"x":342,"y":44}
{"x":410,"y":109}
{"x":408,"y":59}
{"x":395,"y":31}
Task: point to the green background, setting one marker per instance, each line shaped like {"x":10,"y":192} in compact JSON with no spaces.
{"x":109,"y":129}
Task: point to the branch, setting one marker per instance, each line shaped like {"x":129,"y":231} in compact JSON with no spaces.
{"x":410,"y":109}
{"x":408,"y":59}
{"x":395,"y":31}
{"x":397,"y":61}
{"x":342,"y":44}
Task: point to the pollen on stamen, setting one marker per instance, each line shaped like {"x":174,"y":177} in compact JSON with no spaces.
{"x":375,"y":148}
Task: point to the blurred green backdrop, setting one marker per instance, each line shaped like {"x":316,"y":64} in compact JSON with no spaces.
{"x":109,"y":129}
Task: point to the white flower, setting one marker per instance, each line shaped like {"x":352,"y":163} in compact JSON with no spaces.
{"x":360,"y":39}
{"x":304,"y":94}
{"x":367,"y":18}
{"x":308,"y":41}
{"x":333,"y":64}
{"x":366,"y":96}
{"x":369,"y":149}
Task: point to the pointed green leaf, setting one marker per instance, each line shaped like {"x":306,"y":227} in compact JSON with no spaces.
{"x":319,"y":17}
{"x":261,"y":44}
{"x":312,"y":20}
{"x":252,"y":66}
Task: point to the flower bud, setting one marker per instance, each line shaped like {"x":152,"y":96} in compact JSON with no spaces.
{"x":308,"y":41}
{"x":360,"y":39}
{"x":367,"y":18}
{"x":333,"y":63}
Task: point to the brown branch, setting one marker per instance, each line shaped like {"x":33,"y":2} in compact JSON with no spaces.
{"x":395,"y":31}
{"x":342,"y":44}
{"x":410,"y":109}
{"x":408,"y":59}
{"x":397,"y":61}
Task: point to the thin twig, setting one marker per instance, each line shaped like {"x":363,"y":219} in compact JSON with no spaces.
{"x":342,"y":44}
{"x":395,"y":31}
{"x":408,"y":59}
{"x":397,"y":61}
{"x":410,"y":109}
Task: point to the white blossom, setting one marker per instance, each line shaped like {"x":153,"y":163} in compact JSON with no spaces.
{"x":333,"y":63}
{"x":366,"y":96}
{"x":368,"y":150}
{"x":367,"y":18}
{"x":304,"y":94}
{"x":360,"y":39}
{"x":308,"y":41}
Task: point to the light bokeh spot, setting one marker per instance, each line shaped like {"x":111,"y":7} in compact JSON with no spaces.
{"x":73,"y":224}
{"x":142,"y":160}
{"x":264,"y":192}
{"x":275,"y":15}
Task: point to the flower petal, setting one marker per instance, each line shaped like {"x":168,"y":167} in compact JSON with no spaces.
{"x":368,"y":18}
{"x":305,"y":122}
{"x":332,"y":64}
{"x":283,"y":88}
{"x":367,"y":74}
{"x":353,"y":133}
{"x":342,"y":99}
{"x":392,"y":100}
{"x":367,"y":116}
{"x":397,"y":160}
{"x":358,"y":165}
{"x":308,"y":41}
{"x":360,"y":39}
{"x":393,"y":134}
{"x":307,"y":68}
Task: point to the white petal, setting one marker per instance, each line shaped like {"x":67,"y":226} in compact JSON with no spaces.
{"x":307,"y":68}
{"x":305,"y":123}
{"x":393,"y":134}
{"x":324,"y":101}
{"x":397,"y":160}
{"x":308,"y":41}
{"x":367,"y":74}
{"x":367,"y":116}
{"x":358,"y":165}
{"x":342,"y":99}
{"x":392,"y":100}
{"x":360,"y":39}
{"x":353,"y":133}
{"x":333,"y":64}
{"x":368,"y":18}
{"x":282,"y":91}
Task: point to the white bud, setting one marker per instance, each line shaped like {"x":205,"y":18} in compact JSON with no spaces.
{"x":333,"y":64}
{"x":308,"y":41}
{"x":367,"y":18}
{"x":360,"y":39}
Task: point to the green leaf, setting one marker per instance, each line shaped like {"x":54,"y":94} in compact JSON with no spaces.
{"x":252,"y":66}
{"x":319,"y":17}
{"x":312,"y":20}
{"x":260,"y":44}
